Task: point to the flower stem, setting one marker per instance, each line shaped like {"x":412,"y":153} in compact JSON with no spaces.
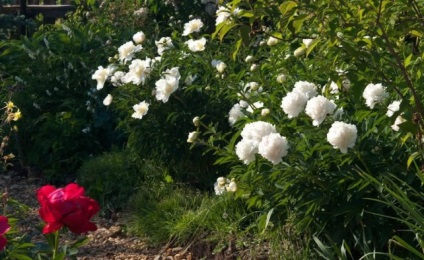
{"x":55,"y":243}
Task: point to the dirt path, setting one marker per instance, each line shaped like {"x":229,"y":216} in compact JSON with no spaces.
{"x":108,"y":242}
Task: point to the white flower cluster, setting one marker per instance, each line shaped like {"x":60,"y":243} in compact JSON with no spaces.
{"x":164,"y":44}
{"x":140,"y":110}
{"x":318,"y":108}
{"x":393,"y":108}
{"x":224,"y":13}
{"x":196,"y":45}
{"x":261,"y":137}
{"x":193,"y":26}
{"x":168,"y":84}
{"x":305,"y":93}
{"x":192,"y":136}
{"x":127,"y":51}
{"x":342,"y":136}
{"x":219,"y":65}
{"x":101,"y":75}
{"x":373,"y":94}
{"x":223,"y":185}
{"x":235,"y":114}
{"x":139,"y":71}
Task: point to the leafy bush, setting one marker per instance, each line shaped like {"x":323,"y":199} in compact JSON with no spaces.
{"x":362,"y":59}
{"x":63,"y":123}
{"x":99,"y":176}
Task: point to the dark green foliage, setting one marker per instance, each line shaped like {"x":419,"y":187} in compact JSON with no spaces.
{"x":114,"y":177}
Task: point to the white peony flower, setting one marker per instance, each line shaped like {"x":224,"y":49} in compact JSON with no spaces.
{"x":257,"y":130}
{"x":248,"y":59}
{"x":219,"y":186}
{"x":273,"y":147}
{"x":139,"y":37}
{"x":193,"y":26}
{"x":192,"y":136}
{"x":107,"y":100}
{"x":265,"y":112}
{"x":235,"y":114}
{"x":127,"y":50}
{"x":281,"y":78}
{"x":272,"y":41}
{"x":373,"y":94}
{"x":399,"y":120}
{"x":167,"y":85}
{"x":139,"y":71}
{"x":254,"y":67}
{"x":346,"y":85}
{"x":393,"y":107}
{"x":163,"y":44}
{"x":318,"y":108}
{"x":307,"y":42}
{"x":293,"y":103}
{"x":101,"y":75}
{"x":232,"y":186}
{"x":252,"y":86}
{"x":116,"y":78}
{"x":299,"y":52}
{"x":334,"y":88}
{"x":246,"y":150}
{"x":243,"y":104}
{"x":222,"y":15}
{"x":342,"y":136}
{"x":196,"y":121}
{"x":140,"y":110}
{"x":219,"y":65}
{"x":306,"y":88}
{"x":196,"y":45}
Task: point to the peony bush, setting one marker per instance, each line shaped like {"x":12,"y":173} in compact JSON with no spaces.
{"x":307,"y":89}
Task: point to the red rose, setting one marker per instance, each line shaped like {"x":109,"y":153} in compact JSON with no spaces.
{"x":4,"y":227}
{"x":66,"y":207}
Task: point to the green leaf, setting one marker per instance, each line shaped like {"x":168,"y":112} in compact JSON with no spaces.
{"x":416,"y":33}
{"x":298,"y":22}
{"x":312,"y":46}
{"x":225,"y":29}
{"x":238,"y":44}
{"x":407,"y":246}
{"x":268,"y":217}
{"x":408,"y":60}
{"x":411,"y":159}
{"x":286,"y":7}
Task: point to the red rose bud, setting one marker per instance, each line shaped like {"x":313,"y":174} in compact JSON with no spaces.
{"x":4,"y":227}
{"x":66,"y":207}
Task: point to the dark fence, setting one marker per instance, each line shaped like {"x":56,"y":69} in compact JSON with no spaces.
{"x":50,"y":9}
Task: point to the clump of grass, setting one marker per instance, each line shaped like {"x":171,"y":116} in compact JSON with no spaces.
{"x":157,"y":207}
{"x":168,"y":213}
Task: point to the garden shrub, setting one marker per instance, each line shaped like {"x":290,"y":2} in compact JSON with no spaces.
{"x":99,"y":176}
{"x":319,"y":92}
{"x":63,"y":123}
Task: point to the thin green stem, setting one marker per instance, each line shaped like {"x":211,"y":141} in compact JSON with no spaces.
{"x":56,"y":243}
